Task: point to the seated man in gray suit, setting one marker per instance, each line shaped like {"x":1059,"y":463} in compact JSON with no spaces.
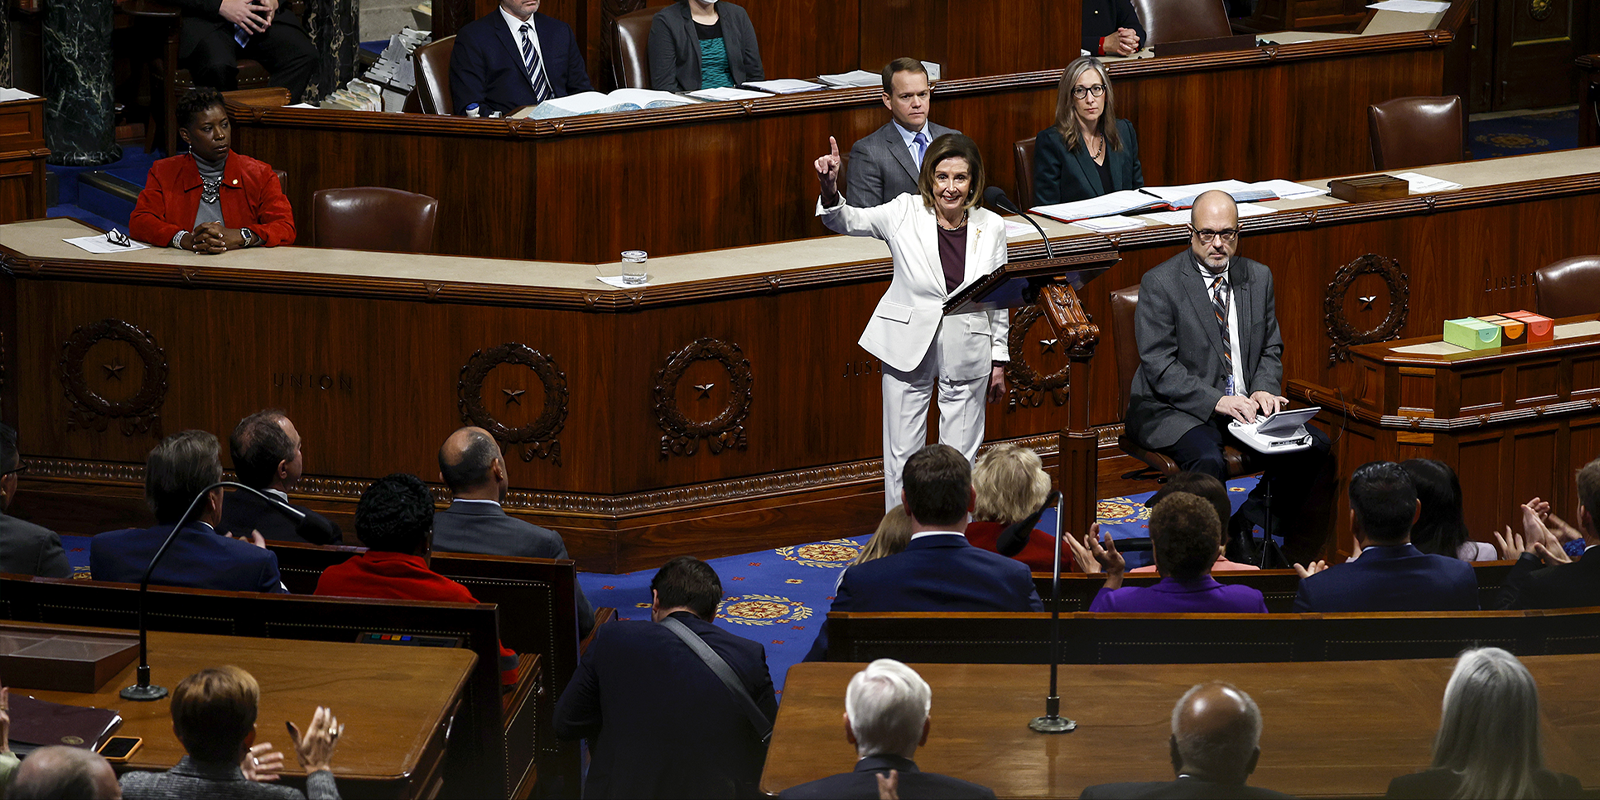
{"x":471,"y":465}
{"x":885,"y":164}
{"x":25,"y":548}
{"x":1209,"y":354}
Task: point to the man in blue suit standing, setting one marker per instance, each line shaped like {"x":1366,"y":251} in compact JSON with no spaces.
{"x":1390,"y":574}
{"x":178,"y":469}
{"x":514,"y":57}
{"x":939,"y":570}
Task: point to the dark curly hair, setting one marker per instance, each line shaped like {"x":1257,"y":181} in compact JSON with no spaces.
{"x":395,"y":514}
{"x":195,"y":101}
{"x":1186,"y":534}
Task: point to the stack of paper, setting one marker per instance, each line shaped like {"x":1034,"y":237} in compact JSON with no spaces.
{"x":7,"y":95}
{"x":1182,"y":217}
{"x":1014,"y":229}
{"x":1410,"y":6}
{"x":596,"y":103}
{"x":728,"y":93}
{"x":1105,"y":205}
{"x":1422,"y":184}
{"x":785,"y":86}
{"x":1180,"y":197}
{"x":859,"y":77}
{"x":1288,"y":190}
{"x":1111,"y":223}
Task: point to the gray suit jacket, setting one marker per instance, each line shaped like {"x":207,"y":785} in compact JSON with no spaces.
{"x":486,"y":529}
{"x":1181,"y":373}
{"x":675,"y":48}
{"x":881,"y":167}
{"x":190,"y":778}
{"x":27,"y":549}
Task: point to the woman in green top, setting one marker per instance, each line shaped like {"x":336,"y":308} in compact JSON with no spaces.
{"x":702,"y":44}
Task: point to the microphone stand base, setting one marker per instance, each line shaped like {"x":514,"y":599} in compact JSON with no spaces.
{"x":144,"y":693}
{"x":1050,"y":724}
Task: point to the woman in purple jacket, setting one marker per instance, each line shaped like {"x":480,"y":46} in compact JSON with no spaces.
{"x":1186,"y":534}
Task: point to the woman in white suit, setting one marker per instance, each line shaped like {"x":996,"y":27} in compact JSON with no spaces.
{"x":941,"y":240}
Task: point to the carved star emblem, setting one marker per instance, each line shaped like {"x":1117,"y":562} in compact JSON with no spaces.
{"x":1366,"y":302}
{"x":514,"y":396}
{"x":704,"y":389}
{"x":1049,"y":345}
{"x":113,"y":371}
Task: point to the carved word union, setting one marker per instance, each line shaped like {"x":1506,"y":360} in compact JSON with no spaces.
{"x":321,"y":381}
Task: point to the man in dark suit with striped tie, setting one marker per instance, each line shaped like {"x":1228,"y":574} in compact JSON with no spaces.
{"x":514,"y":57}
{"x":1210,"y":353}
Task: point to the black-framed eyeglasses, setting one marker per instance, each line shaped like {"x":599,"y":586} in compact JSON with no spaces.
{"x":1080,"y":92}
{"x":22,"y":466}
{"x":1207,"y":236}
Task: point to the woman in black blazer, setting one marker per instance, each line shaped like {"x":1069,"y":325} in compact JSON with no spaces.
{"x":701,"y":44}
{"x":1088,"y":152}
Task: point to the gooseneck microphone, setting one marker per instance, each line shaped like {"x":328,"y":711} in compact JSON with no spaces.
{"x":1052,"y":721}
{"x":143,"y":690}
{"x":996,"y":197}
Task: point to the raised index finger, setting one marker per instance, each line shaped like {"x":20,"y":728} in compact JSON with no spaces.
{"x":833,"y":147}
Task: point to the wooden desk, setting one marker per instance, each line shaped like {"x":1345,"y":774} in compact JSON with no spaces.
{"x":22,"y":155}
{"x":396,"y":704}
{"x":721,"y":175}
{"x":1337,"y":730}
{"x":1589,"y":101}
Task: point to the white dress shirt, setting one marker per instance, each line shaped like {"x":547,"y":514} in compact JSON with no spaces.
{"x":1239,"y":387}
{"x":909,"y":137}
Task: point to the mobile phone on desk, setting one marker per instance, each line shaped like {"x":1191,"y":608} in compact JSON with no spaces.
{"x":118,"y":749}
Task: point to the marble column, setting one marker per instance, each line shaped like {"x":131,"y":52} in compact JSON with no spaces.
{"x":79,"y":127}
{"x":334,"y":26}
{"x":5,"y":45}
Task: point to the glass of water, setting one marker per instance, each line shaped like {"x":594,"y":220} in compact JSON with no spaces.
{"x":633,"y":266}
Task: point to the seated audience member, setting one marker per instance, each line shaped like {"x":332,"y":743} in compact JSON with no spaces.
{"x":210,"y":200}
{"x":886,"y":163}
{"x":25,"y":548}
{"x":1564,"y":534}
{"x":1211,"y":490}
{"x":1088,"y":152}
{"x":1540,"y":579}
{"x":514,"y":57}
{"x":393,"y":519}
{"x":266,"y":454}
{"x":1391,"y":574}
{"x":1215,"y":744}
{"x":216,"y":34}
{"x":702,"y":44}
{"x":471,"y":464}
{"x":1011,"y":484}
{"x":659,"y":721}
{"x":214,"y":716}
{"x":177,"y":471}
{"x":892,"y":536}
{"x":1441,"y":528}
{"x":63,"y":773}
{"x":1488,"y":741}
{"x":1186,"y":535}
{"x":886,"y":717}
{"x":939,"y":570}
{"x":1111,"y":28}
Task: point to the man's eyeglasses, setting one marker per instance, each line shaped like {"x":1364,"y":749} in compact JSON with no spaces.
{"x":20,"y":467}
{"x":1207,"y":236}
{"x":1080,"y":92}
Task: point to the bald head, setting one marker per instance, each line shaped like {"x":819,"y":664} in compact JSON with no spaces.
{"x":1214,"y":229}
{"x":470,"y":464}
{"x":64,"y":772}
{"x":1216,"y":733}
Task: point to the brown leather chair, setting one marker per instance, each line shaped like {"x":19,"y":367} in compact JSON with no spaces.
{"x":1124,"y":303}
{"x":1417,"y":131}
{"x":373,"y":218}
{"x":433,"y":76}
{"x":1181,"y":20}
{"x":1023,"y":152}
{"x":630,"y":48}
{"x":283,"y":180}
{"x":1569,"y":287}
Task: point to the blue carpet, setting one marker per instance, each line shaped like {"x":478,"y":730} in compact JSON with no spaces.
{"x":1523,"y":134}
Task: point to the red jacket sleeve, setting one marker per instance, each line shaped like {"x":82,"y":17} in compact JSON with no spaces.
{"x":148,"y":222}
{"x":273,"y":219}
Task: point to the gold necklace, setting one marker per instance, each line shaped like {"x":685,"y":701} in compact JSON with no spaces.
{"x":964,"y":216}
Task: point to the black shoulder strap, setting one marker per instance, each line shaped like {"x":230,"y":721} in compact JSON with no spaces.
{"x":757,"y":718}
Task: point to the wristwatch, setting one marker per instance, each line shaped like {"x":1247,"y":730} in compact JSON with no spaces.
{"x":248,"y":237}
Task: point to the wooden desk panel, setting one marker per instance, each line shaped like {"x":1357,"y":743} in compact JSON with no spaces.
{"x":22,"y":155}
{"x":1337,"y":729}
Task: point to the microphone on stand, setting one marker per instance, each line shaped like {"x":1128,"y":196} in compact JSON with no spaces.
{"x":143,"y":690}
{"x":996,"y":196}
{"x":1052,"y":721}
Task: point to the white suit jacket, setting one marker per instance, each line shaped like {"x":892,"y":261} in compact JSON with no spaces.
{"x":908,"y":317}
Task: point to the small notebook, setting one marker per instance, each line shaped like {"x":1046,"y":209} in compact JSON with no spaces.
{"x":41,"y":723}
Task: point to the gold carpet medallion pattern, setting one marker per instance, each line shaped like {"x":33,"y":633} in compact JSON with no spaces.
{"x":1120,"y":511}
{"x":832,"y":554}
{"x":762,"y":609}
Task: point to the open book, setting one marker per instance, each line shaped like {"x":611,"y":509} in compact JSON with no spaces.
{"x":597,"y":103}
{"x":1172,"y":198}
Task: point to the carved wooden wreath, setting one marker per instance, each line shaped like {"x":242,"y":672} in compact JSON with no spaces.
{"x":1340,"y":330}
{"x":1027,"y":386}
{"x":538,"y":438}
{"x":90,"y":410}
{"x":723,"y":431}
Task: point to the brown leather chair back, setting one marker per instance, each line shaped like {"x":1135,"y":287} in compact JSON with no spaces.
{"x":283,"y":180}
{"x":1181,"y":20}
{"x":1417,"y":131}
{"x":1569,"y":287}
{"x":1023,"y":151}
{"x":433,"y":76}
{"x":1124,"y":302}
{"x":630,"y":49}
{"x":373,"y":218}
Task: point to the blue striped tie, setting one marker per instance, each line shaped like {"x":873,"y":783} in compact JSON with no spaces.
{"x":533,"y":70}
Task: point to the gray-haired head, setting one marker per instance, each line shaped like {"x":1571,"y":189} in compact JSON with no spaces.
{"x":1216,"y":733}
{"x":64,"y":773}
{"x":887,"y":708}
{"x":1489,"y":731}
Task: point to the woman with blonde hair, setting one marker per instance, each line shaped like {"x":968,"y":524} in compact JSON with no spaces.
{"x":1011,"y":484}
{"x":1088,"y":152}
{"x":892,"y":536}
{"x":1488,"y":741}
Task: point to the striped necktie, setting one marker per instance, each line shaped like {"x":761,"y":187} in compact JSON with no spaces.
{"x":532,"y":69}
{"x":1219,"y":303}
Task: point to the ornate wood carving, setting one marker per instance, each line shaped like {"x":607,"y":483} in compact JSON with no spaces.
{"x":1026,"y":386}
{"x":90,"y":410}
{"x":1345,"y":334}
{"x":724,"y":430}
{"x":537,"y":438}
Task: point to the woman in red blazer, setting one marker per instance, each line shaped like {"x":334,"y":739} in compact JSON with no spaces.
{"x":210,"y":200}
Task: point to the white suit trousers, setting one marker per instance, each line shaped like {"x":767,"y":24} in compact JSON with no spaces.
{"x":906,"y":396}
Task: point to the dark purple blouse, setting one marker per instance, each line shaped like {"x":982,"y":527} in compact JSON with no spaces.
{"x":953,"y":256}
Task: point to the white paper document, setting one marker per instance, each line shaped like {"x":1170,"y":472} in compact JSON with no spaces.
{"x":1422,"y":184}
{"x":617,"y":281}
{"x":1572,"y":329}
{"x":1410,"y":6}
{"x":98,"y":243}
{"x":858,"y":77}
{"x":1105,"y":205}
{"x":597,"y":103}
{"x":1182,"y":217}
{"x":1116,"y":222}
{"x":785,"y":86}
{"x":7,"y":95}
{"x":1180,"y":197}
{"x":1017,"y":229}
{"x":1288,"y":190}
{"x":728,"y":93}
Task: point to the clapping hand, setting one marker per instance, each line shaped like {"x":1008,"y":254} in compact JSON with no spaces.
{"x":315,"y":749}
{"x":828,"y":173}
{"x":262,"y":764}
{"x":1081,"y":554}
{"x":254,"y":538}
{"x":1310,"y":569}
{"x":1111,"y":561}
{"x":889,"y":785}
